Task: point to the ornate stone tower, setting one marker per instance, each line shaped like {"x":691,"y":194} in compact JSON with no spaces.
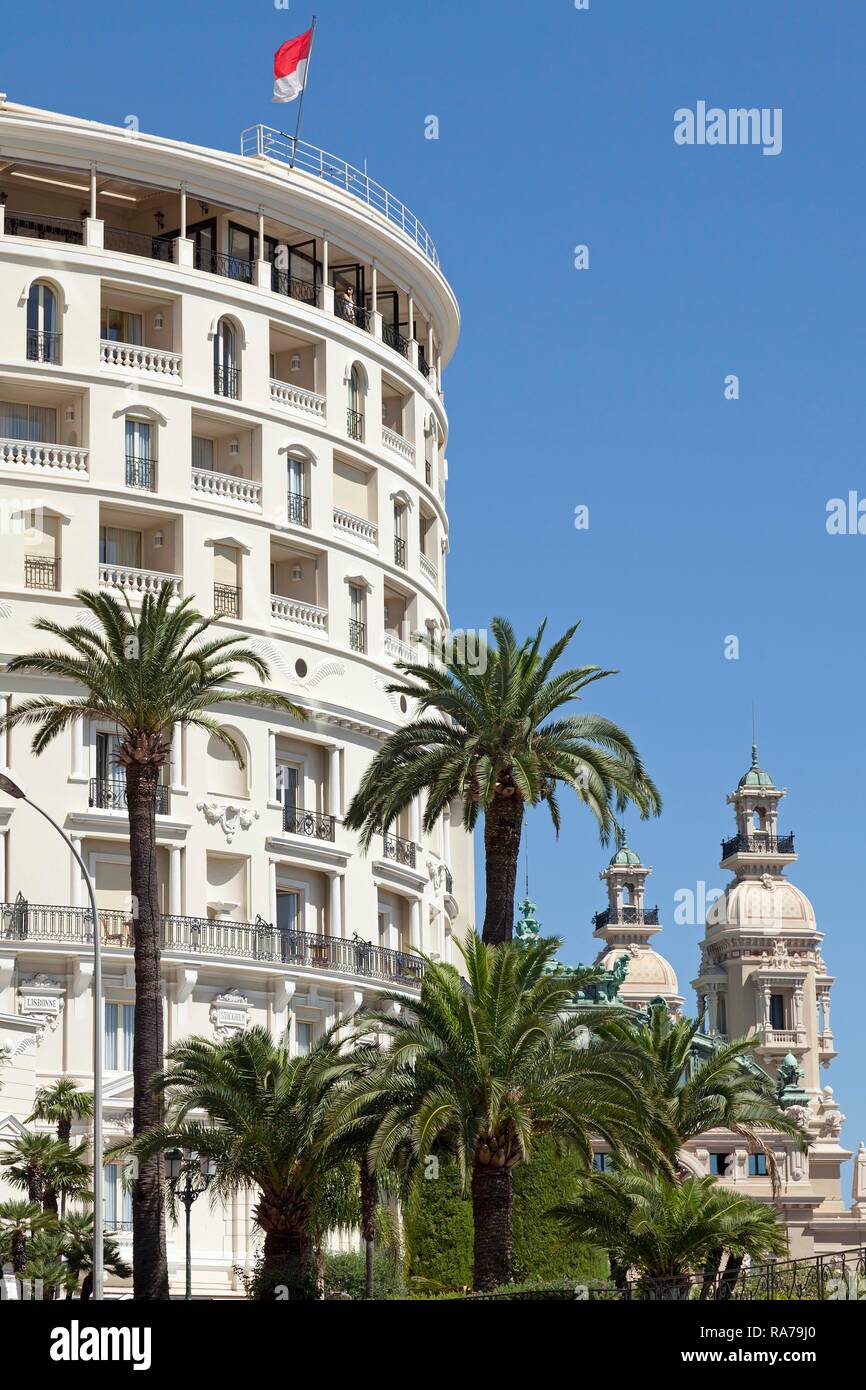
{"x":626,"y":928}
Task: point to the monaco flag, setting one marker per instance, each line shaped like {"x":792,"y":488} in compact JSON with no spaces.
{"x":290,"y":67}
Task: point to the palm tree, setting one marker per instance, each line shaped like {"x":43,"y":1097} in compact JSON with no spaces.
{"x":47,"y":1168}
{"x":77,"y":1250}
{"x":720,"y":1089}
{"x":20,"y":1223}
{"x":147,"y":674}
{"x":267,"y":1126}
{"x":61,"y":1104}
{"x":484,"y":736}
{"x":478,"y":1069}
{"x":665,"y":1230}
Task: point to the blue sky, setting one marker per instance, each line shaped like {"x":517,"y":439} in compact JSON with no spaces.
{"x":604,"y":387}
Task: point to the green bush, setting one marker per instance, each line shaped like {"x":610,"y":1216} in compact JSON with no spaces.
{"x":346,"y":1273}
{"x":439,"y":1227}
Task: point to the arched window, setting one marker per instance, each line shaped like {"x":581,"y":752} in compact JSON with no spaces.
{"x":759,"y":818}
{"x":355,"y":421}
{"x":297,"y":490}
{"x":226,"y":371}
{"x":43,"y":337}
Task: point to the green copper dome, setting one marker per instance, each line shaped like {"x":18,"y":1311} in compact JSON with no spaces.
{"x":755,"y":777}
{"x":624,"y":858}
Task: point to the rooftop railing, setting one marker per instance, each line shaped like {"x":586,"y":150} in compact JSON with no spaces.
{"x":264,"y":140}
{"x":759,"y":843}
{"x":636,"y":916}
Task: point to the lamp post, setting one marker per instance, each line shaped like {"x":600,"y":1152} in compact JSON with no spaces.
{"x":13,"y":788}
{"x":189,"y":1175}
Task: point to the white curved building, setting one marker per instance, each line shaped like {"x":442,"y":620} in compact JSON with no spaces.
{"x":225,"y":370}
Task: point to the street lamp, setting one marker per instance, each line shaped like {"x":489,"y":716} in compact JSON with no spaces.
{"x":13,"y":788}
{"x":189,"y":1175}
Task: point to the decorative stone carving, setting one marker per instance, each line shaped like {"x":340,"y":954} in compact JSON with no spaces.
{"x":230,"y":1013}
{"x":829,"y":1119}
{"x":229,"y":816}
{"x":41,"y":998}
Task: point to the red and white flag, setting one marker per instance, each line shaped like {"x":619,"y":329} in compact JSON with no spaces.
{"x":290,"y":67}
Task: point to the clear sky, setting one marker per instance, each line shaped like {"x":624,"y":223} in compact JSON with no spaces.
{"x":605,"y":387}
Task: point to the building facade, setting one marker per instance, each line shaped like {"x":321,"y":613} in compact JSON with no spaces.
{"x":224,"y":371}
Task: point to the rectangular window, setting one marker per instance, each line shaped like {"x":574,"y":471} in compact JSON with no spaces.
{"x":289,"y":911}
{"x":777,"y":1012}
{"x":37,"y":424}
{"x":117,"y":1203}
{"x":721,"y":1165}
{"x":602,"y":1163}
{"x":119,"y":547}
{"x":119,"y":1036}
{"x":289,"y":786}
{"x":304,"y":1038}
{"x":757,"y":1165}
{"x":202,"y":453}
{"x":118,"y":326}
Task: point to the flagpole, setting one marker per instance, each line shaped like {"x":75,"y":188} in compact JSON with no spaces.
{"x":303,"y":92}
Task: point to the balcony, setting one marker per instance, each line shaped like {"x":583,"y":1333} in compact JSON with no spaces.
{"x":297,"y":821}
{"x":401,"y":851}
{"x":201,"y":936}
{"x":759,"y":843}
{"x":43,"y":458}
{"x":357,"y":528}
{"x":400,"y":552}
{"x":137,"y":582}
{"x":397,"y":444}
{"x":394,"y":339}
{"x":303,"y":615}
{"x":227,"y":382}
{"x":140,"y":473}
{"x":355,"y":425}
{"x":134,"y":357}
{"x":109,"y":794}
{"x":298,"y":399}
{"x":298,"y":509}
{"x":40,"y":573}
{"x":293,"y":287}
{"x":229,"y":267}
{"x":627,"y":916}
{"x":398,"y":651}
{"x":43,"y":347}
{"x":127,"y":243}
{"x":226,"y":487}
{"x":40,"y":227}
{"x":428,"y":570}
{"x":357,"y":635}
{"x":350,"y":312}
{"x":226,"y":601}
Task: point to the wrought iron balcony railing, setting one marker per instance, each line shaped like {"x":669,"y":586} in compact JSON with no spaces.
{"x":355,"y":425}
{"x":218,"y":263}
{"x":428,"y":474}
{"x":156,"y":248}
{"x":423,"y":364}
{"x":351,"y":312}
{"x":39,"y":227}
{"x":43,"y":347}
{"x":40,"y":573}
{"x":109,"y":794}
{"x":401,"y":851}
{"x":637,"y":916}
{"x":293,"y":288}
{"x":141,"y":473}
{"x":227,"y":382}
{"x":357,"y":635}
{"x":259,"y":940}
{"x":298,"y":508}
{"x":298,"y":821}
{"x":759,"y":843}
{"x":394,"y":338}
{"x":226,"y":601}
{"x":400,"y":552}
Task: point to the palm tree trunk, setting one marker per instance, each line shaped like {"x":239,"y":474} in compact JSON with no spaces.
{"x":19,"y":1251}
{"x":150,"y":1266}
{"x":711,"y":1269}
{"x":369,"y":1200}
{"x":503,"y":821}
{"x":729,"y":1278}
{"x":87,"y":1286}
{"x":491,"y":1216}
{"x":289,"y":1253}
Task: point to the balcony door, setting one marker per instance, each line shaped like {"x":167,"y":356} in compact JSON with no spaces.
{"x":290,"y":786}
{"x":120,"y":326}
{"x":33,"y":424}
{"x":119,"y":547}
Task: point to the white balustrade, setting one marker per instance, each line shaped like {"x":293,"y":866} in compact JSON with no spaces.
{"x":357,"y":528}
{"x":296,"y":398}
{"x":224,"y":487}
{"x":306,"y":615}
{"x":392,"y":440}
{"x":134,"y":357}
{"x":43,"y":458}
{"x":428,"y":569}
{"x":136,"y":581}
{"x":397,"y":650}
